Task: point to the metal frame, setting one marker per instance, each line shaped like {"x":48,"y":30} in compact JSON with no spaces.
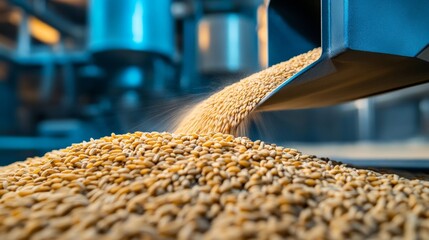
{"x":62,"y":25}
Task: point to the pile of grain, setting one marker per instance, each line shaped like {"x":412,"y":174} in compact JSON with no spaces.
{"x":216,"y":186}
{"x":206,"y":186}
{"x":225,"y":110}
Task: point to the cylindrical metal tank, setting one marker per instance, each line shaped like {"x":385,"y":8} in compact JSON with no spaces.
{"x":131,"y":25}
{"x":227,"y":43}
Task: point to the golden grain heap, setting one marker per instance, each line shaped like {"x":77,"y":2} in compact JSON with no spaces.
{"x":225,"y":110}
{"x":216,"y":186}
{"x":206,"y":186}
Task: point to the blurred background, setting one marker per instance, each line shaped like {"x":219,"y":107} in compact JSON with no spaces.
{"x":75,"y":69}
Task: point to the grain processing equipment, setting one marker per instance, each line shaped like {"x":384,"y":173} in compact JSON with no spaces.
{"x":369,"y":47}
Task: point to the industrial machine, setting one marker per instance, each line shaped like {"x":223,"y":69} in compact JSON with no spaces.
{"x":75,"y":69}
{"x":380,"y":36}
{"x":367,"y":48}
{"x":72,"y":70}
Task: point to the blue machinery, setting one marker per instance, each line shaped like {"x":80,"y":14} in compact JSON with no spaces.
{"x":368,"y":47}
{"x":145,"y":26}
{"x":115,"y":71}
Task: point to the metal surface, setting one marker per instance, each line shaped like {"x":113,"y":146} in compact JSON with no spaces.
{"x":393,"y":155}
{"x":347,"y":76}
{"x":224,"y":41}
{"x":293,"y":28}
{"x":369,"y":47}
{"x":133,"y":25}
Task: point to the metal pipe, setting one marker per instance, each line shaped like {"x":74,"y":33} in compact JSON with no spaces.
{"x":62,"y":25}
{"x":24,"y":40}
{"x":47,"y":85}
